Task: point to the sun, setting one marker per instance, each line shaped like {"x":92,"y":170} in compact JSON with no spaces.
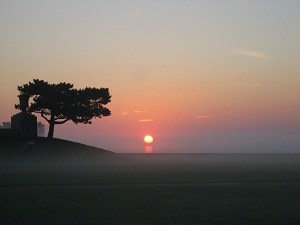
{"x":148,"y":139}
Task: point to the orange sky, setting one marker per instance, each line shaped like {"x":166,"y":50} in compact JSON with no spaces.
{"x":217,"y":75}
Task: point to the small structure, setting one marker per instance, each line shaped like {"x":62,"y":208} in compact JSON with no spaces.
{"x":23,"y":124}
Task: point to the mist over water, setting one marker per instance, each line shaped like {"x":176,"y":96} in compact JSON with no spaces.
{"x":152,"y":169}
{"x":203,"y":142}
{"x":164,"y":188}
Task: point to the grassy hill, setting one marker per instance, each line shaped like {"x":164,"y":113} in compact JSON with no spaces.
{"x":41,"y":148}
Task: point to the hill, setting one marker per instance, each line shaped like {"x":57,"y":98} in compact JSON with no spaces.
{"x":40,"y":148}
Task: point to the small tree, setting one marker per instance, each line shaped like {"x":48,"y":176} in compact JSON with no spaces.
{"x":59,"y":103}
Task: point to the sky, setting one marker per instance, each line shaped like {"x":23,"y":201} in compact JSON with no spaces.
{"x":199,"y":76}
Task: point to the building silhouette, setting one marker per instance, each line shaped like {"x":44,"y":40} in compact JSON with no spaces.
{"x":23,"y":124}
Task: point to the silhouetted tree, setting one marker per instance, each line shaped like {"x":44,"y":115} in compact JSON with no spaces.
{"x":59,"y":103}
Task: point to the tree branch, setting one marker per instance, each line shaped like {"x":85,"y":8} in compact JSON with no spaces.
{"x":61,"y":122}
{"x":42,"y":115}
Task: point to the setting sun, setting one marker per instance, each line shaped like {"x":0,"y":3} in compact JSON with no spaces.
{"x":148,"y":139}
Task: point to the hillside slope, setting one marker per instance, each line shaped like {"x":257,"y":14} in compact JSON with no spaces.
{"x":44,"y":149}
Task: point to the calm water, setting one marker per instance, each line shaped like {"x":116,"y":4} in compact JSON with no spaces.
{"x":209,"y":189}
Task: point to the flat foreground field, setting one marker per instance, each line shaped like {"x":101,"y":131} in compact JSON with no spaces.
{"x":158,"y":189}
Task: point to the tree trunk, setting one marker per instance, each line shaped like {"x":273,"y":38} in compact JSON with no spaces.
{"x":51,"y":128}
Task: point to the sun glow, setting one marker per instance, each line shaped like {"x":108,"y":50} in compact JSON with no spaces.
{"x":148,"y":139}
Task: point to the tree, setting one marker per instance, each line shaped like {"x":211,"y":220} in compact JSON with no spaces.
{"x":59,"y":103}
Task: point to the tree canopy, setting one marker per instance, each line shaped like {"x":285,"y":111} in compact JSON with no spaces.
{"x":59,"y":103}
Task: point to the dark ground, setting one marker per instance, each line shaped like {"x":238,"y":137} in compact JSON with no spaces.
{"x":183,"y":189}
